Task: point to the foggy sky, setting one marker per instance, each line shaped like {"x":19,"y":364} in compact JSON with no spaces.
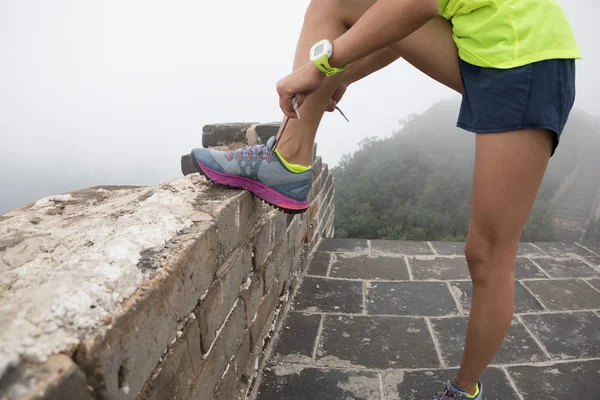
{"x":113,"y":92}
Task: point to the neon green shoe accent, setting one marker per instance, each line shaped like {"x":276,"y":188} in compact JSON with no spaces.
{"x":296,"y":168}
{"x":476,"y":392}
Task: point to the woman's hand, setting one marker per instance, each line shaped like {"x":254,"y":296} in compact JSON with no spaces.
{"x":300,"y":84}
{"x":336,"y":97}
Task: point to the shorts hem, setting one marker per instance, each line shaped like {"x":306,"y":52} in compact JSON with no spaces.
{"x":514,"y":128}
{"x":507,"y":128}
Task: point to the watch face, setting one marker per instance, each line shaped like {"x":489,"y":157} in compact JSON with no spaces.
{"x":318,"y":50}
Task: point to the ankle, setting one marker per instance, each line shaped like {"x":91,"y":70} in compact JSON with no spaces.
{"x":296,"y":155}
{"x":466,"y":385}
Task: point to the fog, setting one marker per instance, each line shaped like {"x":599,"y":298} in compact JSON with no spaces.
{"x":113,"y":92}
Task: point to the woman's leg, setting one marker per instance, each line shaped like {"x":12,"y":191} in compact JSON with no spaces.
{"x":508,"y":171}
{"x":430,"y":49}
{"x":509,"y":168}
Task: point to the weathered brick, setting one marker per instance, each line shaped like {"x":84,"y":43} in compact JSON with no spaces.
{"x":174,"y":377}
{"x":269,"y":272}
{"x":224,"y":134}
{"x":57,"y":379}
{"x":210,"y":374}
{"x":211,"y":315}
{"x":252,"y":297}
{"x":242,"y":359}
{"x":194,"y":273}
{"x":265,"y":131}
{"x":223,"y":294}
{"x":227,"y":388}
{"x":228,"y":229}
{"x":234,"y":384}
{"x":274,"y":262}
{"x":317,"y":165}
{"x":286,"y":269}
{"x":233,"y":332}
{"x":263,"y":244}
{"x":142,"y":331}
{"x":250,"y":211}
{"x":278,"y":224}
{"x":267,"y":305}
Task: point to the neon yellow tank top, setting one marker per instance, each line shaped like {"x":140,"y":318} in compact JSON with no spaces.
{"x":510,"y":33}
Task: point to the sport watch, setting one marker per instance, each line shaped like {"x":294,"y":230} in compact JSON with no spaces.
{"x":320,"y":53}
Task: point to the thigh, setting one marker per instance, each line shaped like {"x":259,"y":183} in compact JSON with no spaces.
{"x":432,"y":50}
{"x":509,"y":168}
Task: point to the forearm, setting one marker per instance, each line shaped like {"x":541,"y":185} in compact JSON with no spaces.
{"x":385,"y":23}
{"x":369,"y":64}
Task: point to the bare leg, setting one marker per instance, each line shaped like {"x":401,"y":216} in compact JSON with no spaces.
{"x":515,"y":162}
{"x":430,"y":49}
{"x":323,"y":20}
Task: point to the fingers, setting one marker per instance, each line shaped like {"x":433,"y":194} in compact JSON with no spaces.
{"x":332,"y":105}
{"x":285,"y":101}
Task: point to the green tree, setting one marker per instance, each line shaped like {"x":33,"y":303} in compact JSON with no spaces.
{"x":416,"y":184}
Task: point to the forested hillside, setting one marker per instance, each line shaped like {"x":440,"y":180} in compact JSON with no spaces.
{"x":416,"y":184}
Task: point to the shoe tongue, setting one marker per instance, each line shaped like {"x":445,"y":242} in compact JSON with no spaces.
{"x":271,"y":142}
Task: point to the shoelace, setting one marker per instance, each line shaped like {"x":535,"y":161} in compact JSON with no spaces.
{"x":447,"y":393}
{"x":280,"y":135}
{"x":260,"y":148}
{"x":249,"y":151}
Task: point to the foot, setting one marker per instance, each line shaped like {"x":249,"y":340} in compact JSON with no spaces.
{"x":452,"y":392}
{"x":259,"y":170}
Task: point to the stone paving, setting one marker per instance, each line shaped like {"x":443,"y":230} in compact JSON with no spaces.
{"x":386,"y":320}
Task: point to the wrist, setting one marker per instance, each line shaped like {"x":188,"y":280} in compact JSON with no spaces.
{"x":336,"y":60}
{"x":316,"y":72}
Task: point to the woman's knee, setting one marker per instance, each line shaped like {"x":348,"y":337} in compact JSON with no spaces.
{"x":489,"y":259}
{"x":345,"y":11}
{"x":319,"y":9}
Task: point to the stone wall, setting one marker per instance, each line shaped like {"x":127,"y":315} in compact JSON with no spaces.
{"x":165,"y":292}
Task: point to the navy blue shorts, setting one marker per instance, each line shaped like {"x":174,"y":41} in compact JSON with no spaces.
{"x":538,"y":95}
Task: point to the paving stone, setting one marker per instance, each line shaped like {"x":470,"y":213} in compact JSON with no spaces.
{"x":329,"y":295}
{"x":518,"y":346}
{"x":458,"y":248}
{"x":525,"y":268}
{"x":376,"y":342}
{"x":319,"y":264}
{"x":567,"y":335}
{"x":594,"y":260}
{"x":595,"y":283}
{"x":524,"y":301}
{"x":439,"y":268}
{"x":419,"y":385}
{"x":566,"y":267}
{"x":297,"y":337}
{"x":374,"y":268}
{"x":410,"y":298}
{"x":299,"y":383}
{"x":401,"y":248}
{"x":449,"y":248}
{"x":564,"y":249}
{"x":527,"y":249}
{"x":573,"y":380}
{"x":569,"y":294}
{"x":341,"y":245}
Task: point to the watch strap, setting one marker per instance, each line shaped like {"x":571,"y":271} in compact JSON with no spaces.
{"x":323,"y":64}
